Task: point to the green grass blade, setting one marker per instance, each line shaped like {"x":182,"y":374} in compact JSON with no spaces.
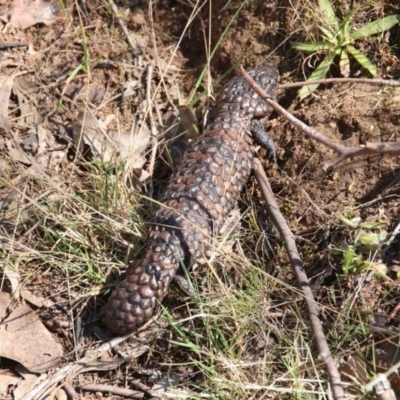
{"x":362,"y":60}
{"x":310,"y":47}
{"x":329,"y":14}
{"x":319,"y":73}
{"x":381,"y":25}
{"x":199,"y":81}
{"x":74,"y":73}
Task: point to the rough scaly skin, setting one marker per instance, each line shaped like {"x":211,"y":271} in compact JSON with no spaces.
{"x":201,"y":193}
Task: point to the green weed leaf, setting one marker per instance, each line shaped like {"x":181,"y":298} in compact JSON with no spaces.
{"x":344,"y":64}
{"x":329,"y":14}
{"x":310,"y":47}
{"x":372,"y":225}
{"x":344,"y":29}
{"x":328,"y":35}
{"x":381,"y":25}
{"x":353,"y":223}
{"x":349,"y":260}
{"x":339,"y":42}
{"x":369,"y":240}
{"x":362,"y":60}
{"x":319,"y":73}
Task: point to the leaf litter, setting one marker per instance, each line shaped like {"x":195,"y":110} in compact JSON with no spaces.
{"x":108,"y":144}
{"x":23,"y":14}
{"x":25,"y":340}
{"x":37,"y":140}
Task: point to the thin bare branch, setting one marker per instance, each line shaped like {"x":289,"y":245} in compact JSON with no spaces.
{"x":291,"y":118}
{"x":70,"y":391}
{"x":118,"y":16}
{"x":302,"y":280}
{"x":109,"y":389}
{"x":383,"y":376}
{"x":9,"y":45}
{"x":378,"y":82}
{"x":154,"y":139}
{"x":392,"y":148}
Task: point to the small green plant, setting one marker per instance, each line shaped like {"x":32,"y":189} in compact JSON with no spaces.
{"x":366,"y":242}
{"x":338,"y":41}
{"x":84,"y":66}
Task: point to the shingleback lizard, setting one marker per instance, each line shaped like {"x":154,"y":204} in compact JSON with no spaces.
{"x":201,"y":193}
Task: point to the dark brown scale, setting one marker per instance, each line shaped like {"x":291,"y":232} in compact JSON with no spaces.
{"x":200,"y":195}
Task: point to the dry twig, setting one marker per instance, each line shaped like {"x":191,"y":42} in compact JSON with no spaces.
{"x":70,"y":391}
{"x":124,"y":29}
{"x":382,"y":384}
{"x":153,"y":128}
{"x":297,"y":265}
{"x":392,"y":148}
{"x":9,"y":45}
{"x":378,"y":82}
{"x":109,"y":389}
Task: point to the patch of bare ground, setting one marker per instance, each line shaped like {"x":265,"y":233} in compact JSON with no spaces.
{"x":79,"y":112}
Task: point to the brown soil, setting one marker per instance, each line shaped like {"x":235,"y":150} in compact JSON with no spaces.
{"x":313,"y":201}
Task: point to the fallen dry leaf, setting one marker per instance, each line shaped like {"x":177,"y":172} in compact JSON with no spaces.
{"x":45,"y":139}
{"x":26,"y":93}
{"x":5,"y":300}
{"x":52,"y":159}
{"x":6,"y":83}
{"x":26,"y":384}
{"x":3,"y":169}
{"x":89,"y":93}
{"x":106,"y":144}
{"x":24,"y":339}
{"x":19,"y":150}
{"x":130,"y":88}
{"x":30,"y":144}
{"x":5,"y":382}
{"x":7,"y":227}
{"x":354,"y":369}
{"x":387,"y":355}
{"x":47,"y":156}
{"x":37,"y":301}
{"x":25,"y":13}
{"x":16,"y":152}
{"x":13,"y":277}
